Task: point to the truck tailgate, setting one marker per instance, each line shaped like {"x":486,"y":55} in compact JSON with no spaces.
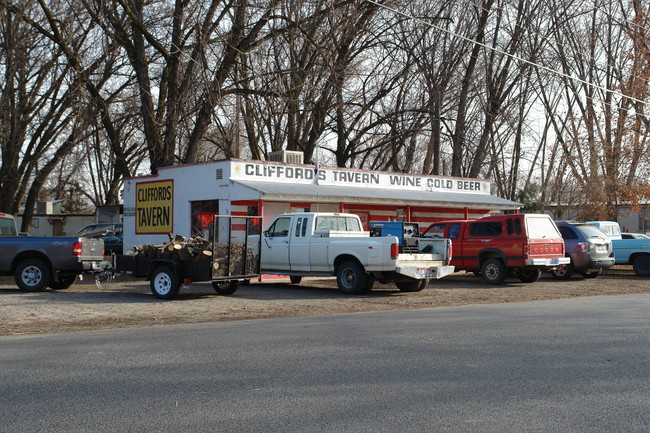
{"x":421,"y":266}
{"x":546,"y":252}
{"x":92,"y":249}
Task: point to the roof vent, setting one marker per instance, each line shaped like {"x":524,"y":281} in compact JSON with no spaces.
{"x":288,"y":156}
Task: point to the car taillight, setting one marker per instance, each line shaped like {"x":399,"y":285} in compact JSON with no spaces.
{"x":584,"y":247}
{"x":394,"y":251}
{"x":451,"y":250}
{"x":77,"y":249}
{"x":526,"y":250}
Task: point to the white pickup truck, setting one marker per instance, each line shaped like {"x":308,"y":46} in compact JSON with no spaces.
{"x":326,"y":244}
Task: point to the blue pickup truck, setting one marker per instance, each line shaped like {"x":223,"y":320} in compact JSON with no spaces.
{"x":38,"y":262}
{"x":635,"y":252}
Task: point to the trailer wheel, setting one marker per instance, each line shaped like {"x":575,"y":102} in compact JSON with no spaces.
{"x":32,"y":275}
{"x":225,"y":287}
{"x":641,"y":266}
{"x":528,"y":275}
{"x":351,"y":278}
{"x":295,"y":279}
{"x":65,"y":282}
{"x":412,"y":286}
{"x":164,"y":284}
{"x":493,"y":271}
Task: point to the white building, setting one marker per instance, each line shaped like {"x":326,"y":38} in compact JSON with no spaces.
{"x":183,"y":199}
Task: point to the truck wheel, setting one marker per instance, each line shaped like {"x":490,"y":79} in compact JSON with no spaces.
{"x":563,"y":272}
{"x":225,"y":287}
{"x":351,"y":278}
{"x":641,"y":266}
{"x":164,"y":284}
{"x":370,"y":281}
{"x":412,"y":286}
{"x":591,"y":274}
{"x":295,"y":279}
{"x":529,"y":275}
{"x":493,"y":271}
{"x":32,"y":275}
{"x":65,"y":282}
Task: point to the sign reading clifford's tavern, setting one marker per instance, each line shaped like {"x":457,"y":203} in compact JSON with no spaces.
{"x":154,"y":204}
{"x":351,"y":177}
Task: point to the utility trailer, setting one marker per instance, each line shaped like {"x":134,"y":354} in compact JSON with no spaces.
{"x":232,"y":256}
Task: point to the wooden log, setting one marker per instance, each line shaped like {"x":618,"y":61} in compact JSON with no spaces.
{"x":186,"y":254}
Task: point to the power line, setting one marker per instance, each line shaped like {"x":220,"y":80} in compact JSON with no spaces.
{"x":513,"y":56}
{"x":546,"y":38}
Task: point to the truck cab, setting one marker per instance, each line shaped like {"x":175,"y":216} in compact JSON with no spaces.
{"x":292,"y":240}
{"x":7,"y":225}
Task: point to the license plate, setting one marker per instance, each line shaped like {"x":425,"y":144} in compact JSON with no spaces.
{"x":601,"y":248}
{"x":555,"y":261}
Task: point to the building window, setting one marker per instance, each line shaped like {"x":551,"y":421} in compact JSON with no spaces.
{"x":254,"y":224}
{"x":203,"y":213}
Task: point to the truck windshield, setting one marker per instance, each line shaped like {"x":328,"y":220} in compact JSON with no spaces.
{"x":610,"y":230}
{"x":590,"y":231}
{"x":7,"y":226}
{"x":541,"y":228}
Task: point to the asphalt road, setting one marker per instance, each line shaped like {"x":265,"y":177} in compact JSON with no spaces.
{"x":576,"y":365}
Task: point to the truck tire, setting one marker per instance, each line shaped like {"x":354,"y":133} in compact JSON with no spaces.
{"x":32,"y":275}
{"x":351,"y":278}
{"x":225,"y":287}
{"x":493,"y":271}
{"x":529,"y":275}
{"x":164,"y":284}
{"x":65,"y":282}
{"x":295,"y":279}
{"x":563,"y":272}
{"x":641,"y":266}
{"x":591,"y":274}
{"x":412,"y":286}
{"x":370,"y":281}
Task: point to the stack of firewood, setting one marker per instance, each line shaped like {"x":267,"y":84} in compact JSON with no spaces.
{"x":229,"y":258}
{"x":194,"y":249}
{"x":234,"y":251}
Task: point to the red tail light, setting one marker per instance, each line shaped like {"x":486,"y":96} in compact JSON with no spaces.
{"x":77,"y":249}
{"x":526,"y":250}
{"x":451,"y":250}
{"x":394,"y":251}
{"x":584,"y":247}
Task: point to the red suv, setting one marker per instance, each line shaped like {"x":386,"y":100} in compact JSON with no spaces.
{"x":523,"y":245}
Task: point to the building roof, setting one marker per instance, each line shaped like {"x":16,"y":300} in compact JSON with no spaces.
{"x":347,"y":194}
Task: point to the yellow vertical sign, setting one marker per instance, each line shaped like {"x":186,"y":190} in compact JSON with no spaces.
{"x":154,"y":207}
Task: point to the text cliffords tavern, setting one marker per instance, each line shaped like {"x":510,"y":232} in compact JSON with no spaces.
{"x":183,"y":199}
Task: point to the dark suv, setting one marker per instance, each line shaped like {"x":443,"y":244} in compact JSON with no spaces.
{"x":590,"y":250}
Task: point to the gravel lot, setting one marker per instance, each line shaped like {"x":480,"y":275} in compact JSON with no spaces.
{"x":126,"y":302}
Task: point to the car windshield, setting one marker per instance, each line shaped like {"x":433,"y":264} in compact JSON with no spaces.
{"x":590,"y":231}
{"x":540,"y":227}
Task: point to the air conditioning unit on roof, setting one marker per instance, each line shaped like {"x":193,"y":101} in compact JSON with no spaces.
{"x":287,"y":156}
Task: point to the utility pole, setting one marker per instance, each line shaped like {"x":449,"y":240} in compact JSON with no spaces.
{"x":436,"y":132}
